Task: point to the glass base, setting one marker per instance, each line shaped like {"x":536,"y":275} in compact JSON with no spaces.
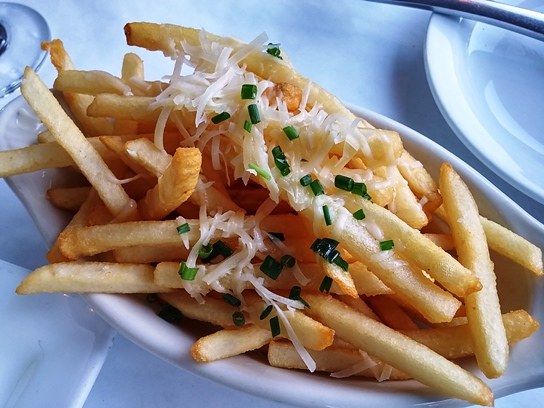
{"x":24,"y":30}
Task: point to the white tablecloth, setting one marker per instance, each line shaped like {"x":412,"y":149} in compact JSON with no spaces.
{"x":367,"y":54}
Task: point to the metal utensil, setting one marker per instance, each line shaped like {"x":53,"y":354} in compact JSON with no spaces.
{"x":517,"y":19}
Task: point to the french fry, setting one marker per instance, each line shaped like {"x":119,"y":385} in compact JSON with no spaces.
{"x":227,"y":343}
{"x":483,"y":307}
{"x":73,"y":141}
{"x":33,"y":158}
{"x":391,"y":313}
{"x":70,"y":199}
{"x":89,"y":83}
{"x":331,"y":360}
{"x":90,"y":277}
{"x":386,"y":344}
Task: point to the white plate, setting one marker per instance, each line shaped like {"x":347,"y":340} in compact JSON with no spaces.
{"x":489,"y":84}
{"x":136,"y":320}
{"x":52,"y":347}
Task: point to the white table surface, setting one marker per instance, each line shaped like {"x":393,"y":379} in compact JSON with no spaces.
{"x":367,"y":54}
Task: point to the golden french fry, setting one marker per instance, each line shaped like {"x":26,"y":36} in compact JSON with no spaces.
{"x":70,"y":199}
{"x":144,"y":152}
{"x":391,"y":313}
{"x":89,"y":83}
{"x":74,"y":142}
{"x":227,"y":343}
{"x":388,"y":345}
{"x":331,"y":360}
{"x":90,"y":277}
{"x":33,"y":158}
{"x":456,"y":341}
{"x":174,"y":187}
{"x":342,"y":278}
{"x":483,"y":307}
{"x":135,"y":108}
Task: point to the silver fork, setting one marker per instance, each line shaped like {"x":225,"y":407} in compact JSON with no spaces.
{"x":517,"y":19}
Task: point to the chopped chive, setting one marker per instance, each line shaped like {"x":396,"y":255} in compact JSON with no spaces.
{"x":386,"y":245}
{"x":294,"y":294}
{"x":332,"y":256}
{"x":324,"y":247}
{"x":259,"y":171}
{"x":151,"y":297}
{"x":306,"y":180}
{"x":316,"y":187}
{"x":277,"y":235}
{"x":223,"y":248}
{"x":221,"y":117}
{"x":288,"y":260}
{"x":344,"y":182}
{"x":326,"y":284}
{"x":187,"y":273}
{"x":205,"y":251}
{"x":281,"y":161}
{"x":274,"y":50}
{"x":271,"y":267}
{"x":248,"y":91}
{"x":254,"y":115}
{"x":360,"y":190}
{"x":341,"y":262}
{"x":359,"y":214}
{"x":170,"y":314}
{"x":275,"y":326}
{"x":327,"y":215}
{"x":238,"y":318}
{"x":231,"y":299}
{"x":182,"y":229}
{"x":267,"y":310}
{"x":247,"y":126}
{"x":290,"y":132}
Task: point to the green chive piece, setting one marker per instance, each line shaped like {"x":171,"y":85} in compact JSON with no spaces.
{"x":327,"y":215}
{"x":223,"y":249}
{"x":288,"y":260}
{"x":238,"y":318}
{"x":275,"y":326}
{"x":324,"y":247}
{"x":294,"y":294}
{"x":187,"y":273}
{"x":306,"y":180}
{"x":248,"y":91}
{"x":231,"y":299}
{"x":359,"y":214}
{"x":221,"y":117}
{"x":360,"y":190}
{"x":341,"y":262}
{"x":386,"y":245}
{"x":182,"y":229}
{"x":247,"y":126}
{"x":170,"y":314}
{"x":274,"y":50}
{"x":267,"y":310}
{"x":271,"y":268}
{"x":254,"y":115}
{"x":290,"y":132}
{"x":277,"y":235}
{"x":317,"y":188}
{"x":326,"y":284}
{"x":281,"y":161}
{"x":205,"y":251}
{"x":259,"y":171}
{"x":344,"y":182}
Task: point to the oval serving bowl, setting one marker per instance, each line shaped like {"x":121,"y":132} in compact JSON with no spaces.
{"x":132,"y":316}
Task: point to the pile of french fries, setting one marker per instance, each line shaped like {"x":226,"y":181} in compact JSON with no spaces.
{"x":244,"y":195}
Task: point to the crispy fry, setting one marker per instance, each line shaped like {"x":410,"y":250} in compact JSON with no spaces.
{"x":70,"y":199}
{"x":483,"y":307}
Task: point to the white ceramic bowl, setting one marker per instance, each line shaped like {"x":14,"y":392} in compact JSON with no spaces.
{"x":136,"y":320}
